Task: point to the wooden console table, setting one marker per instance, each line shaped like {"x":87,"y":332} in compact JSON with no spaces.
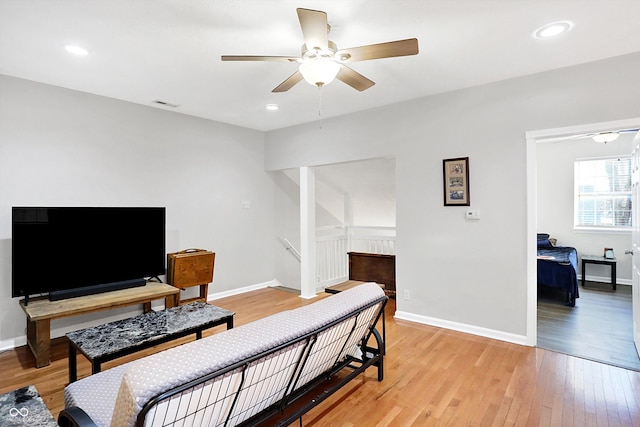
{"x":40,"y":312}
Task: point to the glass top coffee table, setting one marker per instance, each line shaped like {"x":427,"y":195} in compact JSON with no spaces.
{"x":112,"y":340}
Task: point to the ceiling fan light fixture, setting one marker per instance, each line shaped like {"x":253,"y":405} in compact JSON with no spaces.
{"x":606,"y":137}
{"x":319,"y":71}
{"x":320,"y":61}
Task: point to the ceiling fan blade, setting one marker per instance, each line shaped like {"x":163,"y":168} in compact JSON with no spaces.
{"x":259,"y":58}
{"x":314,"y":28}
{"x":353,"y":78}
{"x":570,"y":138}
{"x":589,"y":135}
{"x":380,"y":50}
{"x":291,"y":81}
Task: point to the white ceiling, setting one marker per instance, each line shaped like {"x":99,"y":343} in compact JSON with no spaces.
{"x":169,"y":50}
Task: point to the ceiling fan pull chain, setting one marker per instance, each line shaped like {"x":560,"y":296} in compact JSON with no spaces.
{"x":320,"y":106}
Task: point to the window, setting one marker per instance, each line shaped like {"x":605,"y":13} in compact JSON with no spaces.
{"x":603,"y":193}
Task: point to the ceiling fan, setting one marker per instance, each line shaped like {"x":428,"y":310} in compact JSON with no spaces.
{"x":602,"y":137}
{"x":321,"y":61}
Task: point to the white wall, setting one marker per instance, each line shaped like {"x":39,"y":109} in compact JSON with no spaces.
{"x":66,"y":148}
{"x":555,"y":180}
{"x":369,"y":183}
{"x":287,"y":202}
{"x":465,"y":275}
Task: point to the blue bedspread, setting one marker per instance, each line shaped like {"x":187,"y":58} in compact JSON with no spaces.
{"x":560,"y":271}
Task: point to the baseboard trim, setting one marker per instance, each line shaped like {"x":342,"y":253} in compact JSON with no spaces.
{"x":462,"y":327}
{"x":605,"y":279}
{"x":11,"y":343}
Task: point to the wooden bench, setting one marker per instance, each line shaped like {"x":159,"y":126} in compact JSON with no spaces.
{"x":41,"y":311}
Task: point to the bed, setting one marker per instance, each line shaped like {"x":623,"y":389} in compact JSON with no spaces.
{"x":558,"y":268}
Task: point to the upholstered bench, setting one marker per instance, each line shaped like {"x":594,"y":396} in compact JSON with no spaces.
{"x":242,"y":376}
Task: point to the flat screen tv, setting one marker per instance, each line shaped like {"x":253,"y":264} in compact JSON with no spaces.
{"x":72,"y":251}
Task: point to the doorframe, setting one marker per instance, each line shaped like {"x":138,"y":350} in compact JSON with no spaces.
{"x":533,"y":138}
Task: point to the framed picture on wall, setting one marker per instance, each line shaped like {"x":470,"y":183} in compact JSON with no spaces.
{"x":456,"y":181}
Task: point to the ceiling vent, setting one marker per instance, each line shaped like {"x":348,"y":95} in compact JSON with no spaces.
{"x":166,"y":104}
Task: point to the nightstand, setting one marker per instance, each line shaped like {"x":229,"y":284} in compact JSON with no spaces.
{"x":595,"y":259}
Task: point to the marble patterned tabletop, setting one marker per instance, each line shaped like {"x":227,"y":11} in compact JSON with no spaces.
{"x":122,"y":334}
{"x":25,"y":407}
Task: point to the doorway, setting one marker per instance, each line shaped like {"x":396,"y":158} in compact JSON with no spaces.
{"x":355,"y":209}
{"x":564,"y":141}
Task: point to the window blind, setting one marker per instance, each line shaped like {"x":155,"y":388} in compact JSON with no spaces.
{"x":603,"y":193}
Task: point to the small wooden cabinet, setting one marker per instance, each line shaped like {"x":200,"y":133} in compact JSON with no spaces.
{"x":379,"y":268}
{"x":191,"y":267}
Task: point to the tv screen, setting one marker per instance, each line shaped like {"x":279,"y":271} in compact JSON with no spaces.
{"x":85,"y":250}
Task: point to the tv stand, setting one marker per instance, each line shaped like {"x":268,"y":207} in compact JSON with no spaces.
{"x":40,"y":311}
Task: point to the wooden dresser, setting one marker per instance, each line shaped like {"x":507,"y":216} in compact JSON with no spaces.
{"x":379,"y":268}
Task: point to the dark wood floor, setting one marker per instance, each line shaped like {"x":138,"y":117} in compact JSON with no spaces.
{"x":598,"y":328}
{"x":433,"y":377}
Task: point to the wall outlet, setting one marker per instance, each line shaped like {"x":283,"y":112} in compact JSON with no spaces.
{"x":406,"y":295}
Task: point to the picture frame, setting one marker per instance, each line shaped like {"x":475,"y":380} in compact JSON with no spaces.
{"x":455,"y":175}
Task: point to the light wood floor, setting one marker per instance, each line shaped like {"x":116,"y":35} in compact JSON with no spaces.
{"x":433,"y":377}
{"x":599,"y":327}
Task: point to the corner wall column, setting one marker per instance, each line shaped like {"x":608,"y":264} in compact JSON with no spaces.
{"x":307,"y":232}
{"x":348,"y":219}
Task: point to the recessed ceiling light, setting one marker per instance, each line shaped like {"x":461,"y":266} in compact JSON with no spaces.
{"x":553,"y":29}
{"x":271,"y":107}
{"x":76,"y":50}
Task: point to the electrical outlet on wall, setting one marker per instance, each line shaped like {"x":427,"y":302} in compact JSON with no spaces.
{"x":406,"y":295}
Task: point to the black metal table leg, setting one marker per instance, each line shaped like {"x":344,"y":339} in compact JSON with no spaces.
{"x":73,"y":364}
